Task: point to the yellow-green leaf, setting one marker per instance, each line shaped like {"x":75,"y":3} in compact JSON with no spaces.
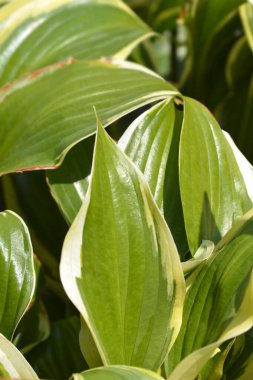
{"x":120,"y":265}
{"x":17,"y":275}
{"x":53,"y":108}
{"x":35,"y":33}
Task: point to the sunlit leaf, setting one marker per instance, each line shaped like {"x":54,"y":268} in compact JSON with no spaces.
{"x":53,"y":108}
{"x":218,"y":305}
{"x":213,"y":191}
{"x":120,"y":266}
{"x":41,"y":33}
{"x":17,"y":276}
{"x":117,"y":373}
{"x":12,"y":364}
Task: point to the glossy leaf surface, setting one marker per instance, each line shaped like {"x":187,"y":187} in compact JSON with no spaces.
{"x":41,"y":33}
{"x":117,"y":373}
{"x":218,"y":305}
{"x":16,"y":271}
{"x":213,"y":191}
{"x":53,"y":108}
{"x":119,"y":239}
{"x":12,"y":364}
{"x":152,"y":143}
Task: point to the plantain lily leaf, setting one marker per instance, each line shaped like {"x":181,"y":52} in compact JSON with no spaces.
{"x":208,"y":190}
{"x":16,"y":271}
{"x":246,"y":12}
{"x":12,"y":364}
{"x":218,"y":305}
{"x":59,"y":355}
{"x":53,"y":108}
{"x":41,"y":33}
{"x":244,"y":165}
{"x":152,"y":143}
{"x":203,"y":253}
{"x":117,"y":373}
{"x":120,"y":266}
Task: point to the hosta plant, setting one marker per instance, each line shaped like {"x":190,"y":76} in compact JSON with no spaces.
{"x":126,"y":252}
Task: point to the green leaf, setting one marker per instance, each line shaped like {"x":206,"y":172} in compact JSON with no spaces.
{"x":246,"y":12}
{"x":218,"y":305}
{"x":210,"y":180}
{"x":120,"y":266}
{"x":53,"y":108}
{"x":16,"y":271}
{"x":40,"y":33}
{"x":152,"y":143}
{"x":117,"y":373}
{"x":12,"y":364}
{"x":59,"y":355}
{"x":244,"y":165}
{"x":203,"y":253}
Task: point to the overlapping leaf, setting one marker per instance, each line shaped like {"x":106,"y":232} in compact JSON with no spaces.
{"x":16,"y":271}
{"x":218,"y":305}
{"x":212,"y":188}
{"x":152,"y":143}
{"x":35,"y":33}
{"x":53,"y":108}
{"x":117,"y":373}
{"x":120,"y":266}
{"x":12,"y":364}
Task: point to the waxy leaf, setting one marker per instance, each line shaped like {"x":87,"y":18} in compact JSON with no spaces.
{"x":218,"y":305}
{"x":213,"y":191}
{"x":17,"y":275}
{"x":53,"y":108}
{"x":117,"y":373}
{"x":12,"y":364}
{"x":120,"y":266}
{"x":35,"y":33}
{"x":152,"y":143}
